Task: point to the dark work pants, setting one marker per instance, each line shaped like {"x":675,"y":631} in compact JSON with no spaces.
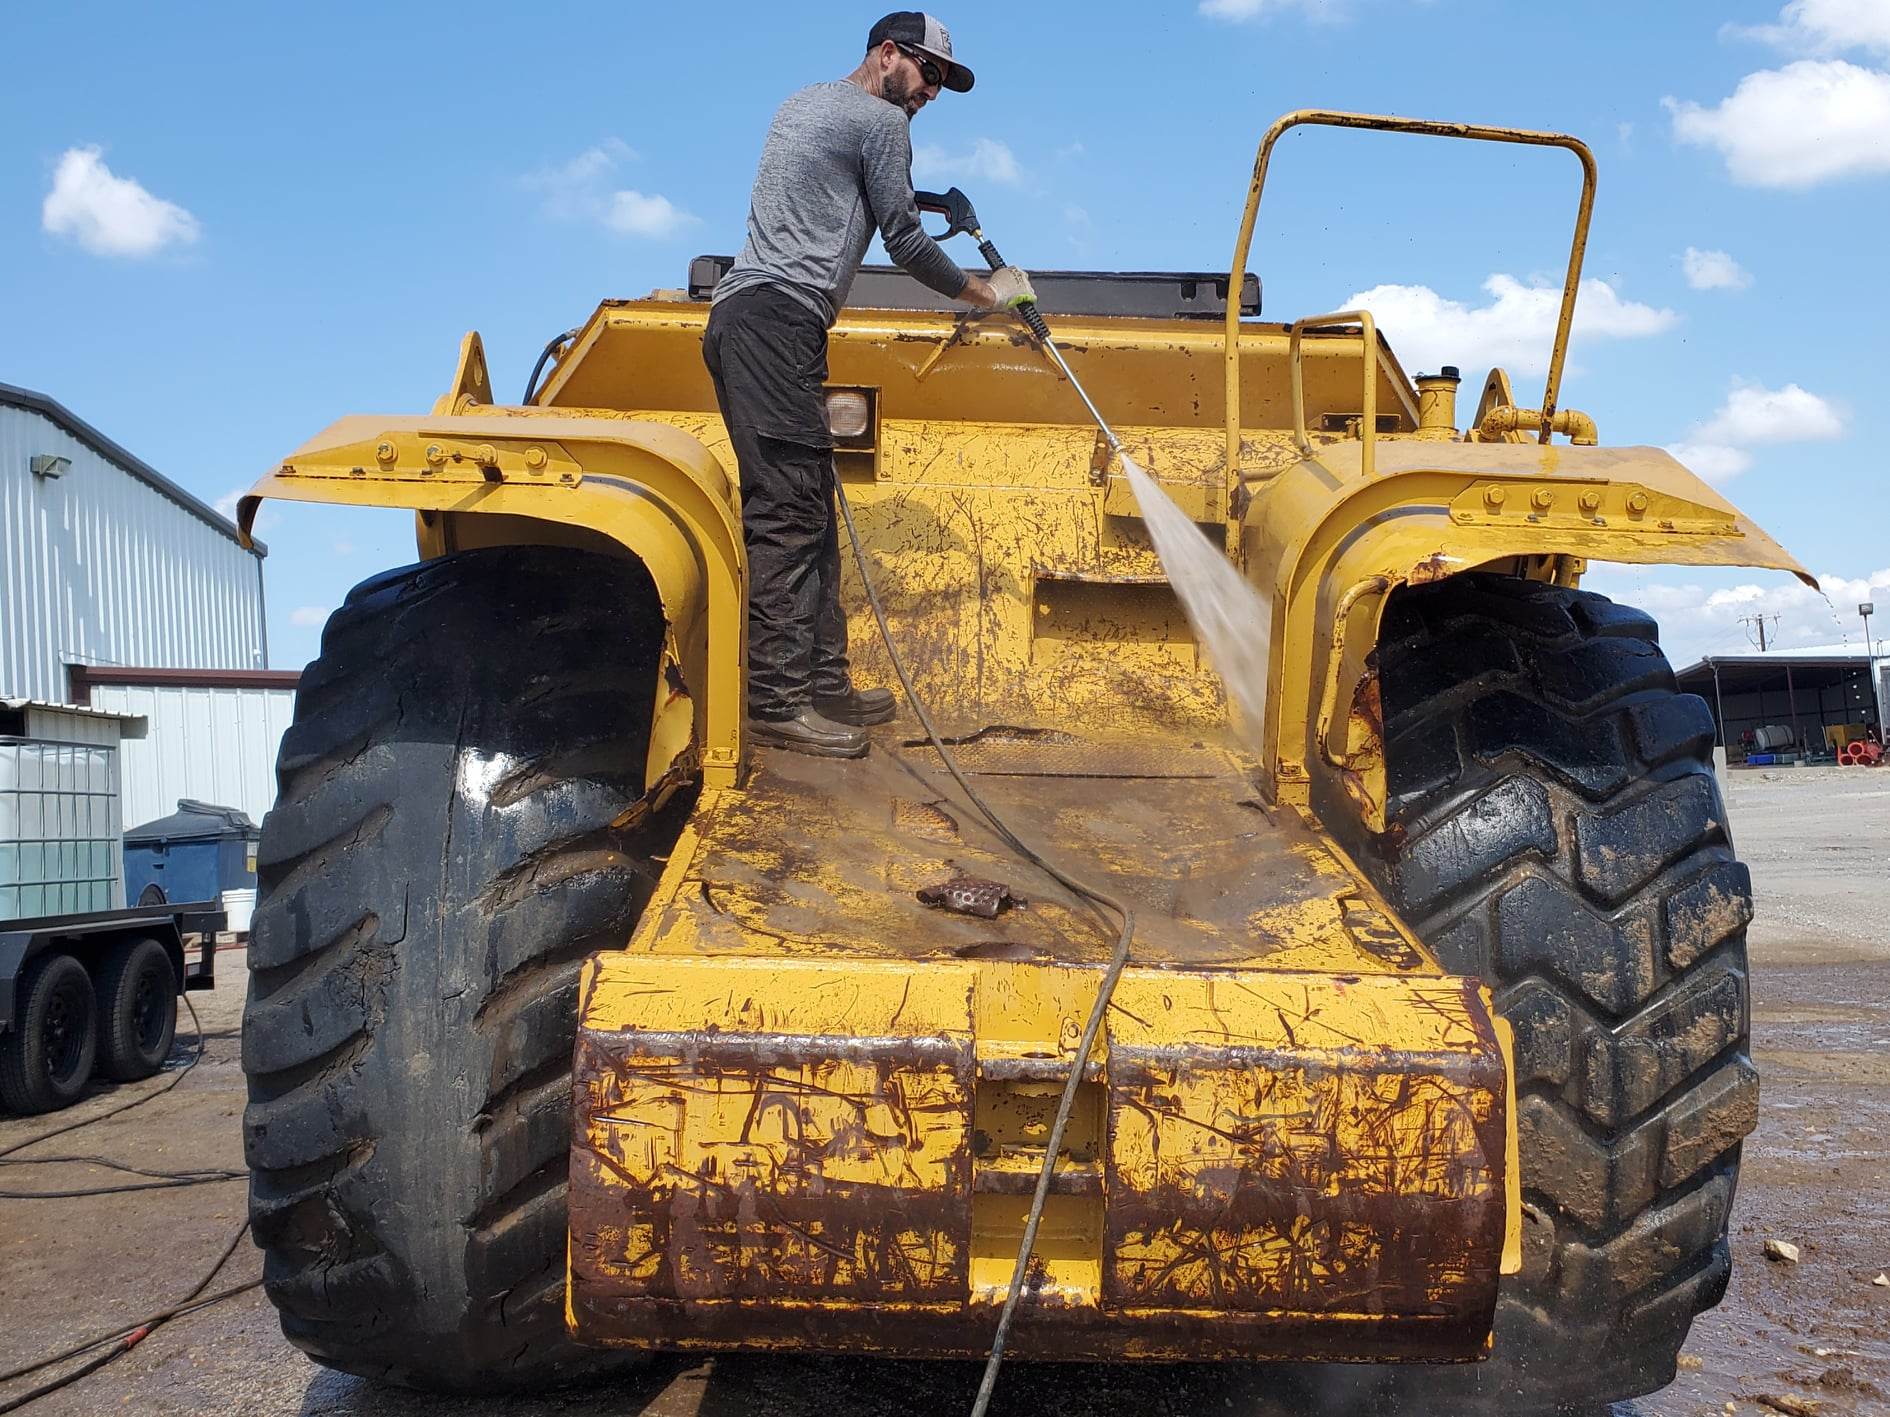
{"x":767,"y":354}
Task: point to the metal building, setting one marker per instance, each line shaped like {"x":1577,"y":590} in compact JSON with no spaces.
{"x":1802,"y":691}
{"x":212,"y":734}
{"x":105,"y":561}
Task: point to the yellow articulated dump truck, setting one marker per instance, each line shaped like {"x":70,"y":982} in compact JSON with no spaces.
{"x":577,"y":1024}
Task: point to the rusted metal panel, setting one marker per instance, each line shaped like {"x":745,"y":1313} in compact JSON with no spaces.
{"x":1339,"y":1150}
{"x":837,"y":1155}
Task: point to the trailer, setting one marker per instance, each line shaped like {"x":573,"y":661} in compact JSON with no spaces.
{"x":95,"y":993}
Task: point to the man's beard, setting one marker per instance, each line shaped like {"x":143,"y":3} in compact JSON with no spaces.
{"x":897,"y":90}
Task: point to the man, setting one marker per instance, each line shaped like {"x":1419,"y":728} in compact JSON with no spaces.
{"x":835,"y":168}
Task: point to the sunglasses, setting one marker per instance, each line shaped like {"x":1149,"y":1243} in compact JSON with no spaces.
{"x":928,"y":67}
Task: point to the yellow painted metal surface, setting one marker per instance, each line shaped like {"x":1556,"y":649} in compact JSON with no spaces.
{"x":476,"y":479}
{"x":837,"y":1153}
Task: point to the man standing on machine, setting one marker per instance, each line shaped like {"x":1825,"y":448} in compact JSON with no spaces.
{"x":837,"y":166}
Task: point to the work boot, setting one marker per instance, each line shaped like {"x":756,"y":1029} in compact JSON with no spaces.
{"x":856,"y":706}
{"x":812,"y":733}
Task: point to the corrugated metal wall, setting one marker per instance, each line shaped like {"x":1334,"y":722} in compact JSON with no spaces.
{"x":216,"y":745}
{"x":99,"y":567}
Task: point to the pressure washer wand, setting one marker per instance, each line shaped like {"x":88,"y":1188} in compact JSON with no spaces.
{"x":1033,"y":317}
{"x":957,"y":210}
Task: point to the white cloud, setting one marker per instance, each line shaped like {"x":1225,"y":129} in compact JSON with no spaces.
{"x":579,"y":189}
{"x":309,"y":616}
{"x":1716,"y":462}
{"x":1514,"y":330}
{"x":1713,"y":270}
{"x":226,"y":504}
{"x":1697,"y":619}
{"x":110,"y":215}
{"x":344,"y":548}
{"x":1238,"y":11}
{"x":1809,"y":122}
{"x":1823,"y":27}
{"x":1754,"y":416}
{"x":654,"y":216}
{"x":988,"y":161}
{"x":571,"y":189}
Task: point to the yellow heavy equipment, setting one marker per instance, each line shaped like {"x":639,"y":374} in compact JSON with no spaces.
{"x":577,"y":1025}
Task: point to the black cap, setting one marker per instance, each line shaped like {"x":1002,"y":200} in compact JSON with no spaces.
{"x":918,"y":30}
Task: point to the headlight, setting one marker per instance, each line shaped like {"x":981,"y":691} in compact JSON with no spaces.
{"x":849,"y":413}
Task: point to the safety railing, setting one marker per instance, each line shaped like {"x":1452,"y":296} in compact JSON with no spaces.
{"x":1368,"y":401}
{"x":1328,"y":118}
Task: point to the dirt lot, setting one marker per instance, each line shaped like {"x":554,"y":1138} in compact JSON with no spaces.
{"x":1817,"y":1174}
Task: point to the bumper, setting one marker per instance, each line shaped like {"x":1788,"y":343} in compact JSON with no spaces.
{"x":793,"y":1153}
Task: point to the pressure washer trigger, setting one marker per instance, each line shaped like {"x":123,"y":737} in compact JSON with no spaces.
{"x":954,"y":206}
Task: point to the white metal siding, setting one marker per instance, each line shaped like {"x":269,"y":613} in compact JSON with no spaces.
{"x":99,"y":567}
{"x":216,"y":745}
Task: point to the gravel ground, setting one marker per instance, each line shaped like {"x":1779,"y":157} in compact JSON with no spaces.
{"x":1807,"y":1337}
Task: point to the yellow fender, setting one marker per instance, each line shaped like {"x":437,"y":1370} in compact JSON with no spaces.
{"x":493,"y":477}
{"x":1329,"y":543}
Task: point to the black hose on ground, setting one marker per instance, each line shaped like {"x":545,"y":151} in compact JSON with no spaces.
{"x":1118,"y":959}
{"x":124,"y":1339}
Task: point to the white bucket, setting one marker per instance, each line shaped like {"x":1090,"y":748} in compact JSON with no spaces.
{"x":239,"y":906}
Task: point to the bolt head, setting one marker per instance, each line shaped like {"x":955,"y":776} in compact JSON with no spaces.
{"x":385,"y":451}
{"x":1543,"y":496}
{"x":1637,"y":502}
{"x":535,"y":459}
{"x":1495,"y":496}
{"x":1591,"y":501}
{"x":436,"y":455}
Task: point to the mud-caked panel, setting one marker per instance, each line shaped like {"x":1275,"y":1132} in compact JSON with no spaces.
{"x":838,"y":1156}
{"x":1288,"y":1166}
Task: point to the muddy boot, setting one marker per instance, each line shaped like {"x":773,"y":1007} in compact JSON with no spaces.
{"x":857,"y":706}
{"x":812,"y":733}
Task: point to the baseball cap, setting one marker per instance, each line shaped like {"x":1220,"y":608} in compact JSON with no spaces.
{"x":923,"y":32}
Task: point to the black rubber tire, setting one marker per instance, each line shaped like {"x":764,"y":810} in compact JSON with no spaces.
{"x":439,"y":862}
{"x":137,"y":1009}
{"x":1556,"y":828}
{"x":46,"y":1058}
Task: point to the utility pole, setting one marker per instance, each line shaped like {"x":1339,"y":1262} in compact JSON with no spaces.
{"x":1865,"y":611}
{"x":1759,"y":620}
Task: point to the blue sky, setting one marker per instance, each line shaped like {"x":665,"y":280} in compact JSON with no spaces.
{"x":223,"y":226}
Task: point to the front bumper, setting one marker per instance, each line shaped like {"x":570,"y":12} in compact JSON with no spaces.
{"x":837,"y":1155}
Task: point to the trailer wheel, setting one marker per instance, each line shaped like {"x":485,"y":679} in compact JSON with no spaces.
{"x":46,"y":1061}
{"x":137,"y":1009}
{"x":1556,"y":828}
{"x":443,"y":855}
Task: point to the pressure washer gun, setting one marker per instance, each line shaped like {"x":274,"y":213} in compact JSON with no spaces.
{"x":959,"y":216}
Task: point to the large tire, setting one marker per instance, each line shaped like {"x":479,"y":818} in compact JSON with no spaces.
{"x":1556,"y":828}
{"x":440,"y":860}
{"x":137,"y":1009}
{"x":46,"y":1057}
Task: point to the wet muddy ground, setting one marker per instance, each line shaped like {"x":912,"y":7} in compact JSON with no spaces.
{"x":1810,"y":1337}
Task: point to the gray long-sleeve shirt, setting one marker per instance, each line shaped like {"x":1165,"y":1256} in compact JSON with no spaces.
{"x":837,"y":165}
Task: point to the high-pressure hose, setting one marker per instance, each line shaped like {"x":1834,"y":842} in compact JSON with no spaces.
{"x":1089,"y":894}
{"x":958,"y":211}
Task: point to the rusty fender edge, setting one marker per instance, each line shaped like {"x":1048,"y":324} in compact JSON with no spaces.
{"x":833,"y":1156}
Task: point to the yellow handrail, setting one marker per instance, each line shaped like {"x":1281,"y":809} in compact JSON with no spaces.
{"x":1368,"y":422}
{"x":1429,"y":127}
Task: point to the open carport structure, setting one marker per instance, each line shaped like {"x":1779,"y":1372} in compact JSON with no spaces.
{"x":1806,"y":690}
